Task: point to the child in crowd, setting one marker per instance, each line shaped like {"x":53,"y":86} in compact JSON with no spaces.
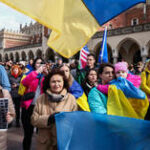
{"x":121,"y":70}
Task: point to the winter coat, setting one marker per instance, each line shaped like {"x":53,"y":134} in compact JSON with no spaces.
{"x":97,"y":101}
{"x":145,"y":84}
{"x":46,"y":138}
{"x":14,"y":91}
{"x":80,"y":77}
{"x":31,"y":82}
{"x":134,"y":79}
{"x":4,"y":81}
{"x":87,"y":87}
{"x":3,"y":134}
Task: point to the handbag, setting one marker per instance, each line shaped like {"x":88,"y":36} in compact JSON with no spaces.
{"x":28,"y":96}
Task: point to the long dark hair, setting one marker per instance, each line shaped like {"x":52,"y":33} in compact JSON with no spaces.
{"x":35,"y":60}
{"x":46,"y":84}
{"x":88,"y":72}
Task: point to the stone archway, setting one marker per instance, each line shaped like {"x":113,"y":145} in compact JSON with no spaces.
{"x":148,"y":48}
{"x":97,"y":50}
{"x":23,"y":56}
{"x":17,"y":57}
{"x":11,"y":56}
{"x":49,"y":55}
{"x":129,"y":50}
{"x":6,"y":57}
{"x":39,"y":53}
{"x":30,"y":55}
{"x":1,"y":58}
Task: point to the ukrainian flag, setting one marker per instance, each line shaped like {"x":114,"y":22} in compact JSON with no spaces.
{"x":126,"y":100}
{"x":73,"y":22}
{"x":77,"y":91}
{"x":93,"y":131}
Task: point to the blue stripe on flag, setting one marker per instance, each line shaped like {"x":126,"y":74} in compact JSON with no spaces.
{"x":105,"y":10}
{"x":93,"y":131}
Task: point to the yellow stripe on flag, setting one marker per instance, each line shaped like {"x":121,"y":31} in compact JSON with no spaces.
{"x":71,"y":22}
{"x":83,"y":103}
{"x":118,"y":104}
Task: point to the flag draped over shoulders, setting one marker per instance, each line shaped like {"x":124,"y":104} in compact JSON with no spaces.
{"x":126,"y":100}
{"x":73,"y":22}
{"x":77,"y":91}
{"x":93,"y":131}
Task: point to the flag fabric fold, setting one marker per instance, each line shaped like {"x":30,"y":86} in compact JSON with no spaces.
{"x":103,"y":56}
{"x":73,"y":22}
{"x":93,"y":131}
{"x":77,"y":91}
{"x":126,"y":100}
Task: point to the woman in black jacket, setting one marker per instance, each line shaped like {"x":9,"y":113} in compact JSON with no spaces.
{"x":15,"y":78}
{"x":90,"y":81}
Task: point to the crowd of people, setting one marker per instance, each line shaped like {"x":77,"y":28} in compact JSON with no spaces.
{"x":39,"y":90}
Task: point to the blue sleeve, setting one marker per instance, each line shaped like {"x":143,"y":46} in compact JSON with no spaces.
{"x":4,"y":81}
{"x":76,"y":90}
{"x":97,"y":102}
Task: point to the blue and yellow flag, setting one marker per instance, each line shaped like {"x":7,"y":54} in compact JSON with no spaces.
{"x":124,"y":99}
{"x":103,"y":56}
{"x":73,"y":22}
{"x":93,"y":131}
{"x":77,"y":91}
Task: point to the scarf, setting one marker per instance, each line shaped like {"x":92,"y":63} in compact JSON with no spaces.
{"x":56,"y":97}
{"x":15,"y":75}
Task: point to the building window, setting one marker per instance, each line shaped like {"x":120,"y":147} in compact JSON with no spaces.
{"x":134,"y":22}
{"x":110,"y":26}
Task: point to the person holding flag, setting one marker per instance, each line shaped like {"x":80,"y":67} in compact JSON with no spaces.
{"x":103,"y":56}
{"x":90,"y":64}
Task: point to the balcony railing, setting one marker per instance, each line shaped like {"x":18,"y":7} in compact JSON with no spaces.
{"x":124,"y":30}
{"x":23,"y":47}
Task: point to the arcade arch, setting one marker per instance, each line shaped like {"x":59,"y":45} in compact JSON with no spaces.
{"x":24,"y":56}
{"x":97,"y":50}
{"x":49,"y":55}
{"x":30,"y":55}
{"x":39,"y":53}
{"x":148,"y":48}
{"x":6,"y":57}
{"x":1,"y":58}
{"x":17,"y":57}
{"x":129,"y":50}
{"x":11,"y":56}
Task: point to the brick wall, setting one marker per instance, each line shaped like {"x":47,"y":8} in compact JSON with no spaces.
{"x":13,"y":43}
{"x":125,"y":18}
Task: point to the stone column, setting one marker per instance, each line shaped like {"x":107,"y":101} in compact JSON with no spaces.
{"x":114,"y":55}
{"x":115,"y":60}
{"x":144,"y":53}
{"x":144,"y":59}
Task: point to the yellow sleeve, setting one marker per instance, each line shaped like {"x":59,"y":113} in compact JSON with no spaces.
{"x":144,"y":86}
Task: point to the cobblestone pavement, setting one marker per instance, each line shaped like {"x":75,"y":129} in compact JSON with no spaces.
{"x":15,"y":137}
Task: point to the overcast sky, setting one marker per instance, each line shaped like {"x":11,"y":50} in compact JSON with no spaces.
{"x":11,"y":19}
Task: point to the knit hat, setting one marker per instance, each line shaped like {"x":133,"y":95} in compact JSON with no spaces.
{"x":121,"y":66}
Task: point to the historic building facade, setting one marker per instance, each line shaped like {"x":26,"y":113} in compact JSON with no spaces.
{"x":128,"y":39}
{"x":128,"y":36}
